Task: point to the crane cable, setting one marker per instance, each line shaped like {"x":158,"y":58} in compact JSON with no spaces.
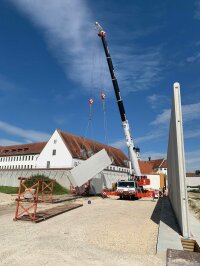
{"x":103,"y":96}
{"x":89,"y":124}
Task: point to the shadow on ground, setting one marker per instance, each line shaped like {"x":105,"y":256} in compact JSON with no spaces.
{"x":163,"y":212}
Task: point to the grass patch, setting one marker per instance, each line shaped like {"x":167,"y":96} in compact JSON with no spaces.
{"x":9,"y":190}
{"x":57,"y":189}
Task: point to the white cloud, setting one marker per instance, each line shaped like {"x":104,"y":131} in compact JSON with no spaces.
{"x":190,"y":112}
{"x":70,"y":33}
{"x":120,"y":144}
{"x":192,"y":134}
{"x":7,"y":142}
{"x":27,"y":134}
{"x":157,"y":100}
{"x":69,"y":30}
{"x":149,"y":136}
{"x":193,"y":58}
{"x":162,"y":118}
{"x":138,"y":71}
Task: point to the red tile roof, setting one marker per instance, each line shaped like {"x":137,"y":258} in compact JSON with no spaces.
{"x":159,"y":163}
{"x":32,"y":148}
{"x":192,"y":175}
{"x":146,"y":167}
{"x":82,"y":148}
{"x":79,"y":148}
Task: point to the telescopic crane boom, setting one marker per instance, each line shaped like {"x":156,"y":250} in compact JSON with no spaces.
{"x":125,"y":124}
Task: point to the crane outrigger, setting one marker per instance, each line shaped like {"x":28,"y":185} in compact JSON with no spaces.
{"x":125,"y":124}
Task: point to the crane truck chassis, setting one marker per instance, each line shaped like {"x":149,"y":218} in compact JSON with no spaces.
{"x":131,"y":189}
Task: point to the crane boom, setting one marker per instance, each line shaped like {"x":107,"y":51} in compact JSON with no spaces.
{"x":125,"y":124}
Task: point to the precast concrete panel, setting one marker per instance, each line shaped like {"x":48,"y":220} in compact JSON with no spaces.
{"x":89,"y":168}
{"x":176,"y":164}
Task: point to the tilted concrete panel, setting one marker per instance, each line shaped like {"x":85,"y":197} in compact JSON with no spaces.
{"x":176,"y":164}
{"x":89,"y":168}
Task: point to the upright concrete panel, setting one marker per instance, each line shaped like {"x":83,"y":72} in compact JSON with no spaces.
{"x":176,"y":164}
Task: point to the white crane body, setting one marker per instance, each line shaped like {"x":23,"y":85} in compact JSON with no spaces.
{"x":125,"y":124}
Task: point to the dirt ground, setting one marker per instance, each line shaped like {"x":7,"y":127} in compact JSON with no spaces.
{"x":105,"y":232}
{"x":194,"y":203}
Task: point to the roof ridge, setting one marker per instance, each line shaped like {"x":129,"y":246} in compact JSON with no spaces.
{"x":109,"y":146}
{"x":23,"y":144}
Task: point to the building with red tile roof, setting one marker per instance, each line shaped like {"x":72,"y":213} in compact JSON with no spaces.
{"x":63,"y":150}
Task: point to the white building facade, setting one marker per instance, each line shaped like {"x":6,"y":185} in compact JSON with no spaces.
{"x":62,"y":151}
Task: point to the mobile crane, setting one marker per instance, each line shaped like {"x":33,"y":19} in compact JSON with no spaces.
{"x":132,"y":188}
{"x":125,"y":124}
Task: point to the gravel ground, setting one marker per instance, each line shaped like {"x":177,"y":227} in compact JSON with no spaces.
{"x":6,"y":199}
{"x":105,"y":232}
{"x":194,"y":203}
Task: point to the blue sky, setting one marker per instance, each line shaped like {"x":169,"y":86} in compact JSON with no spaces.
{"x":52,"y":62}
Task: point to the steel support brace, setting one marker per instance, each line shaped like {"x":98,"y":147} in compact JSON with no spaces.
{"x":27,"y":199}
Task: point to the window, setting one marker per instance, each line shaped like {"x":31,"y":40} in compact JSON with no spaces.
{"x":31,"y":166}
{"x":29,"y":157}
{"x":32,"y":157}
{"x":48,"y":164}
{"x":54,"y":152}
{"x":55,"y":141}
